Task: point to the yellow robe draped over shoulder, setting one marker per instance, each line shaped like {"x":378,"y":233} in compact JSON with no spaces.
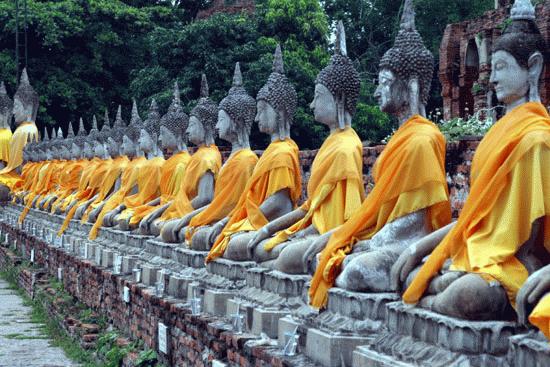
{"x":43,"y":185}
{"x":230,"y":184}
{"x":57,"y":172}
{"x":540,"y":317}
{"x":148,"y":182}
{"x":509,"y":190}
{"x":24,"y":133}
{"x":28,"y":173}
{"x":93,"y":185}
{"x":277,"y":169}
{"x":171,"y":181}
{"x":206,"y":158}
{"x":69,"y":179}
{"x":335,"y":189}
{"x":115,"y":169}
{"x":128,"y":181}
{"x":409,"y":176}
{"x":5,"y":137}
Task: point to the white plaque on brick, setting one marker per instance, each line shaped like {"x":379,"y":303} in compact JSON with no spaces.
{"x":32,"y":255}
{"x":163,"y":338}
{"x":85,"y":251}
{"x":58,"y":242}
{"x":216,"y":363}
{"x":126,"y":294}
{"x":60,"y":274}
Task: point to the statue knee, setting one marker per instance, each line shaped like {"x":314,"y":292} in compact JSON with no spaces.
{"x":200,"y":240}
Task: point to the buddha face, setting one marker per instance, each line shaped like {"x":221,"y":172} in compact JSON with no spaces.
{"x":391,"y":92}
{"x":128,"y":146}
{"x":167,"y":139}
{"x":75,"y":151}
{"x":19,"y":112}
{"x":145,"y":141}
{"x":266,"y":117}
{"x":112,"y":147}
{"x":224,"y":126}
{"x":509,"y":79}
{"x":324,"y":106}
{"x":195,"y":131}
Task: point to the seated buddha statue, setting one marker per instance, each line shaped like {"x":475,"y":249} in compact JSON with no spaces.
{"x":335,"y":187}
{"x":409,"y":198}
{"x":116,"y":163}
{"x":31,"y":165}
{"x":149,"y":175}
{"x":25,"y":108}
{"x":235,"y":117}
{"x":533,"y":301}
{"x":173,"y":141}
{"x":111,"y":207}
{"x":202,"y":169}
{"x":276,"y":182}
{"x":6,"y":113}
{"x":477,"y":265}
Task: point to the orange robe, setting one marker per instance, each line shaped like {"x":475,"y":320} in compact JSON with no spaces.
{"x":335,"y":189}
{"x":43,"y":185}
{"x":206,"y":158}
{"x":117,"y":166}
{"x":509,"y":190}
{"x":5,"y":137}
{"x":148,"y":183}
{"x":230,"y":184}
{"x":93,"y":185}
{"x":24,"y":133}
{"x":540,"y":317}
{"x":172,"y":176}
{"x":68,"y":180}
{"x":57,"y":172}
{"x":129,"y":180}
{"x":409,"y":176}
{"x":277,"y":169}
{"x":28,"y":175}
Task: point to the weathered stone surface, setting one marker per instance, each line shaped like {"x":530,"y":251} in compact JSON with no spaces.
{"x":149,"y":275}
{"x":529,"y":350}
{"x":215,"y":301}
{"x":331,"y":350}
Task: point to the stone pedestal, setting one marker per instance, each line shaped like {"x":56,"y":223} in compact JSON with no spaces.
{"x":421,"y":337}
{"x":331,"y":350}
{"x":129,"y":263}
{"x":177,"y":286}
{"x":529,"y":350}
{"x":149,"y":275}
{"x":107,"y":258}
{"x":187,"y":257}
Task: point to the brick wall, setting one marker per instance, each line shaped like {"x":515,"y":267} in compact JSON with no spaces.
{"x":228,"y":6}
{"x":458,"y":71}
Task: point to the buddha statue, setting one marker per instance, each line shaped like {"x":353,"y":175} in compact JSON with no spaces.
{"x":25,"y":108}
{"x":6,"y":112}
{"x":410,"y":196}
{"x":112,"y":205}
{"x":275,"y":184}
{"x":201,"y":171}
{"x":235,"y":117}
{"x":173,"y":141}
{"x":114,"y":167}
{"x":335,"y":188}
{"x":149,"y":175}
{"x":477,"y":264}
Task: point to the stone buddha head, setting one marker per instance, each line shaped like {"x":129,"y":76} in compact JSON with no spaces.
{"x":78,"y":141}
{"x":101,"y":146}
{"x":91,"y":140}
{"x":236,"y":113}
{"x":114,"y":140}
{"x":25,"y":101}
{"x":518,"y":58}
{"x":337,"y":87}
{"x":174,"y":124}
{"x":149,"y":134}
{"x":406,"y":71}
{"x":6,"y":108}
{"x":276,"y":102}
{"x":131,"y":133}
{"x":203,"y":118}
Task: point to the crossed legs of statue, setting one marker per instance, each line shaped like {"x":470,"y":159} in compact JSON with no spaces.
{"x":466,"y":296}
{"x":201,"y":239}
{"x":237,"y":249}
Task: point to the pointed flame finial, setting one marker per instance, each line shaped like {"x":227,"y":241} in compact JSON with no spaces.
{"x":24,"y":77}
{"x":106,"y":118}
{"x":94,"y":123}
{"x":237,"y":76}
{"x":81,"y":129}
{"x":407,"y":18}
{"x":70,"y":131}
{"x":59,"y":133}
{"x":3,"y":90}
{"x":522,"y":10}
{"x":204,"y":87}
{"x":278,"y":65}
{"x":340,"y":47}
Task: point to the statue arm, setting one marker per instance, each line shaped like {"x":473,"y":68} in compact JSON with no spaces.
{"x":217,"y":229}
{"x":154,"y":202}
{"x":205,"y":192}
{"x":415,"y":253}
{"x":276,"y":205}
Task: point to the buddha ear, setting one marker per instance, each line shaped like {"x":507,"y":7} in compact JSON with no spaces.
{"x":341,"y":111}
{"x":535,"y":64}
{"x":414,"y":96}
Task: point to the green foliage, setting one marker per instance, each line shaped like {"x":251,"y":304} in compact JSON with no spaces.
{"x":146,"y":357}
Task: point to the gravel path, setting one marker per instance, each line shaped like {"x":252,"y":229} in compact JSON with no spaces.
{"x":22,"y":342}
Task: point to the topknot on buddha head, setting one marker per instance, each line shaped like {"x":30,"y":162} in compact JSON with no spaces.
{"x":410,"y":60}
{"x":175,"y":120}
{"x":279,"y":93}
{"x":238,"y":104}
{"x":26,"y":100}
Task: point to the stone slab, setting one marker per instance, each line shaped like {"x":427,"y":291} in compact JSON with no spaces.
{"x":107,"y":258}
{"x":285,"y":325}
{"x":177,"y":286}
{"x":188,"y":257}
{"x":149,"y":275}
{"x":529,"y":350}
{"x":360,"y":305}
{"x":363,"y":356}
{"x":232,"y":270}
{"x":266,"y":321}
{"x":331,"y":350}
{"x":215,"y":301}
